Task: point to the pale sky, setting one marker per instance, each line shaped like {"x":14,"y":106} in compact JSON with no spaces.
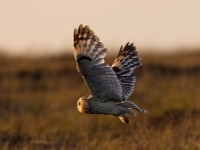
{"x":47,"y":25}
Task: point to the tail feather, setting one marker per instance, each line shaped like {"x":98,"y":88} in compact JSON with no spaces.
{"x":132,"y":105}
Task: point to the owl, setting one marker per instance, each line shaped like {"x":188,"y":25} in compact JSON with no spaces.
{"x":109,"y":86}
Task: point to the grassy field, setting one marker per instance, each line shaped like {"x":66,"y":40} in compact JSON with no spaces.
{"x":38,"y":106}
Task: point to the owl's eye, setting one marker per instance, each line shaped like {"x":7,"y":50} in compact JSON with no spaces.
{"x":79,"y":103}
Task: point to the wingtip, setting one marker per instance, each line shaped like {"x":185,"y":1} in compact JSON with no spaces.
{"x":91,"y":33}
{"x":84,"y":37}
{"x":75,"y":31}
{"x":86,"y":29}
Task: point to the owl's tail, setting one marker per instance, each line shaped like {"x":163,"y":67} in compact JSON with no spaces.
{"x":132,"y":105}
{"x":87,"y":45}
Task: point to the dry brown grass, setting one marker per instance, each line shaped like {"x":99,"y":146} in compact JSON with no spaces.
{"x":38,"y":107}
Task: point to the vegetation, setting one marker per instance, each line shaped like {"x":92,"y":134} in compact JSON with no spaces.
{"x":38,"y":106}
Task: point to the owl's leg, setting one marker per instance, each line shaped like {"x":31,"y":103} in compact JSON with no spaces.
{"x":132,"y":105}
{"x":124,"y":119}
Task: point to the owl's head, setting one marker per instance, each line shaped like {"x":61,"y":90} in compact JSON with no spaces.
{"x":83,"y":105}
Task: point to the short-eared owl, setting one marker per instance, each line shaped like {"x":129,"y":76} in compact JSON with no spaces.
{"x":109,"y":87}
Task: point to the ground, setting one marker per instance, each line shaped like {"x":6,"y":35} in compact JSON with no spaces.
{"x":38,"y":106}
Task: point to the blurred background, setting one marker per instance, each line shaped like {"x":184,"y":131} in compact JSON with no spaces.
{"x":45,"y":27}
{"x":39,"y":84}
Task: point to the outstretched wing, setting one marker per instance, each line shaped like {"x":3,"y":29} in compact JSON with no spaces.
{"x":89,"y":53}
{"x":124,"y":65}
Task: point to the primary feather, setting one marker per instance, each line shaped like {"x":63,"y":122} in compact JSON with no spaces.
{"x":99,"y":77}
{"x":124,"y":65}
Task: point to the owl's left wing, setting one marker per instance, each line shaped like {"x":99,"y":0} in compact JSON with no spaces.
{"x":89,"y":54}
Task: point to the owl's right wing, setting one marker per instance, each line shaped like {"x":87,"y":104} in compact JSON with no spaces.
{"x":89,"y":54}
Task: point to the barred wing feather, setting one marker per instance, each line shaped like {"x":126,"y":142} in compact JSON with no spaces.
{"x":89,"y":53}
{"x":124,"y":65}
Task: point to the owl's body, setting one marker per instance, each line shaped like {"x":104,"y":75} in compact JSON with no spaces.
{"x":109,"y":87}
